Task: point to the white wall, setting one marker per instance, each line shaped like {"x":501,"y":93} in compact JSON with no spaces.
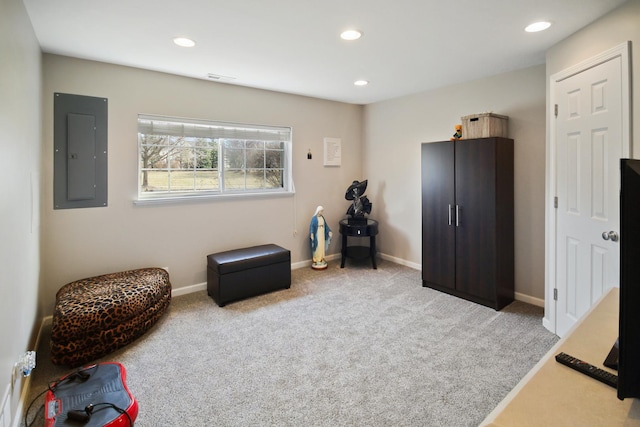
{"x":394,"y":131}
{"x":20,"y":126}
{"x":78,"y":243}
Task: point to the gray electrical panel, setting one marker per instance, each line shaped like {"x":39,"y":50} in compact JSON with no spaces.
{"x":79,"y":152}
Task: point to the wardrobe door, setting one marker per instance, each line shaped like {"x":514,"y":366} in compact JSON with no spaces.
{"x":476,"y":202}
{"x":438,"y":210}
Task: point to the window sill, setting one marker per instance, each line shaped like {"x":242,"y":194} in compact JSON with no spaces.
{"x":210,"y":198}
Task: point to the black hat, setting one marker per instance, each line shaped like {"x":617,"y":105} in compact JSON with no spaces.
{"x":360,"y":186}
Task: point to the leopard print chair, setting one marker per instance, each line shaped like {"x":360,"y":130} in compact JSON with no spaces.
{"x":95,"y":316}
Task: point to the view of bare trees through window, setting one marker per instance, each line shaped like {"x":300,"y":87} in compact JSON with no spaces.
{"x":181,"y":157}
{"x":252,"y":164}
{"x":190,"y":164}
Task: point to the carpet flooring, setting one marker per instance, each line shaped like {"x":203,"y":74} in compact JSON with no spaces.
{"x":342,"y":347}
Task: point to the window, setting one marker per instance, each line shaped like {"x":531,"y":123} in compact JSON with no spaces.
{"x":181,"y":158}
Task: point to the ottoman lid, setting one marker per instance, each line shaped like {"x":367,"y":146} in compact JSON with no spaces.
{"x":245,"y":258}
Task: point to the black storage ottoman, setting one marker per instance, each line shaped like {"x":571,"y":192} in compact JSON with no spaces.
{"x":243,"y":273}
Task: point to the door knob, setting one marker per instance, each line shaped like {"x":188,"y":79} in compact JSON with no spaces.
{"x":610,"y":235}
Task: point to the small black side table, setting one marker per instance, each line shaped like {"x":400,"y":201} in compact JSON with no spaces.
{"x":368,"y":229}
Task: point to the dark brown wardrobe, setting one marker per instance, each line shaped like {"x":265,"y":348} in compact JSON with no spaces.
{"x":467,"y":219}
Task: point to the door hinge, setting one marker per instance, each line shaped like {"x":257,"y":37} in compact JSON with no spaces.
{"x":555,"y":294}
{"x":555,"y":110}
{"x":555,"y":202}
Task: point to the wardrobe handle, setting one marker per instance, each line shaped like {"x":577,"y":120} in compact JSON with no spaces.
{"x":457,"y":216}
{"x":449,"y":214}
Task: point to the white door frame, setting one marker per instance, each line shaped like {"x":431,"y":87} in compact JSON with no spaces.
{"x":622,"y":51}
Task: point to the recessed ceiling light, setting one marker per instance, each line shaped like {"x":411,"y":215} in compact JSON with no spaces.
{"x":537,"y":26}
{"x":184,"y":42}
{"x":361,"y":82}
{"x":351,"y":35}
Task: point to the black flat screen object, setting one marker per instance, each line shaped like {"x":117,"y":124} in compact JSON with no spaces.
{"x":612,"y":358}
{"x":628,"y":343}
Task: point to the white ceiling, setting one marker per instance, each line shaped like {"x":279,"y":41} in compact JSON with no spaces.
{"x":293,"y":46}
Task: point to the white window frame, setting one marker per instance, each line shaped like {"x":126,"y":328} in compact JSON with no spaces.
{"x":216,"y":133}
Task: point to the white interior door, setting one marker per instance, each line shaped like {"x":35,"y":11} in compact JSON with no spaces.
{"x":589,"y":145}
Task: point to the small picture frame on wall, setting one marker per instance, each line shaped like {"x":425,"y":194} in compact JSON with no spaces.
{"x":332,"y":152}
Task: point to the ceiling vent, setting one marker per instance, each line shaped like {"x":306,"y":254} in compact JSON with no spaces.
{"x":219,"y":77}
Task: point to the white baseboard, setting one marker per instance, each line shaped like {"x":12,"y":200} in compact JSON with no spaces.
{"x":188,"y":289}
{"x":518,"y":296}
{"x":203,"y":286}
{"x":17,"y":419}
{"x":46,"y":321}
{"x":307,"y":263}
{"x":5,"y":407}
{"x":401,"y":261}
{"x":529,"y":299}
